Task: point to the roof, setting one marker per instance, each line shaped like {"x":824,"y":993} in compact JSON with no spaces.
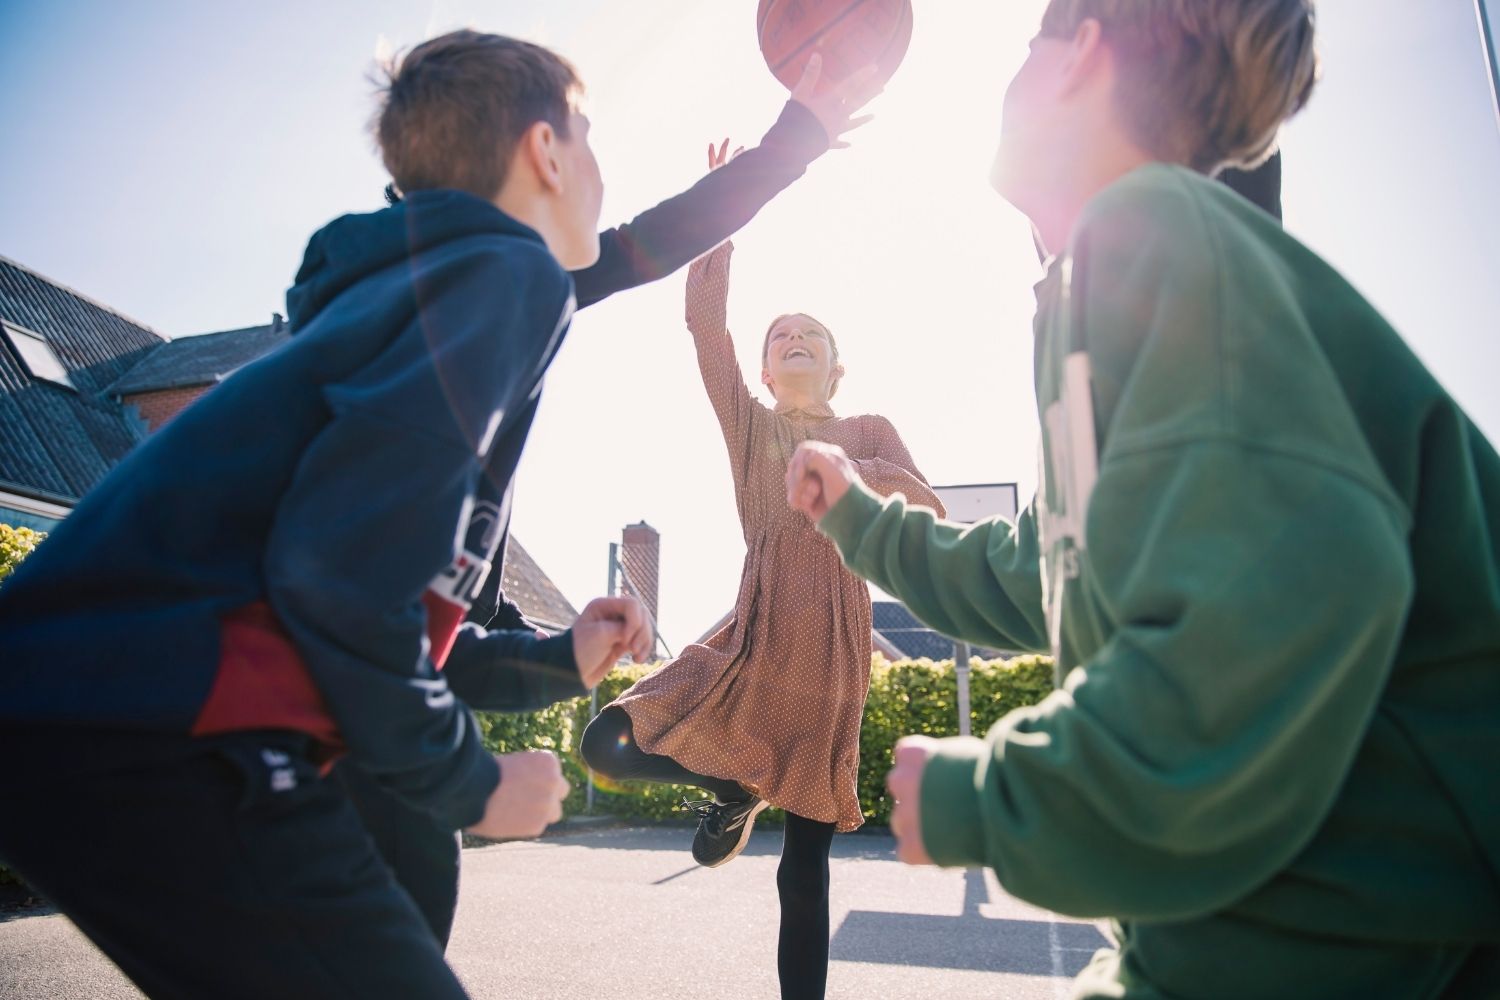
{"x":55,"y":441}
{"x":532,"y":591}
{"x":903,"y":630}
{"x":205,"y":359}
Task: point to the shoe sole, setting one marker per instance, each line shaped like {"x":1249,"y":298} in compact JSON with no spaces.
{"x":760,"y":807}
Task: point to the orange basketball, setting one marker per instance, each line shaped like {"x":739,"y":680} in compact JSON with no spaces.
{"x":851,"y":34}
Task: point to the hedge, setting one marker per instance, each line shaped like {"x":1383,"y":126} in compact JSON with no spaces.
{"x":15,"y":545}
{"x":908,"y":696}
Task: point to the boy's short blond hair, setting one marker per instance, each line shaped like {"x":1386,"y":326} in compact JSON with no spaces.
{"x":453,"y":110}
{"x":1206,"y":83}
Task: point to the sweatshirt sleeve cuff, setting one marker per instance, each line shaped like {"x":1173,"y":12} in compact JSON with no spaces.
{"x":952,"y":824}
{"x":797,"y":134}
{"x":479,"y":783}
{"x":846,"y":521}
{"x":557,"y":653}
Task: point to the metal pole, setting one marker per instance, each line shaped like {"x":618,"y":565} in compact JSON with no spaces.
{"x":961,"y":671}
{"x":627,"y":587}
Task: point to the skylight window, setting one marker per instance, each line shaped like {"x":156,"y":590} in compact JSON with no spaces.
{"x":38,"y":356}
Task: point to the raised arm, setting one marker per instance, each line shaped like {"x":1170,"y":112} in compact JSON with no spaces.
{"x":664,"y":238}
{"x":707,"y":304}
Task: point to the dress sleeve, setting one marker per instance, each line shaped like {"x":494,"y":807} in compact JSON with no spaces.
{"x":707,"y":308}
{"x":892,"y":470}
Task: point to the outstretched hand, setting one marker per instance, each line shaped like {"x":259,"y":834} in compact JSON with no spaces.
{"x":817,"y":478}
{"x":609,"y":628}
{"x":836,"y":106}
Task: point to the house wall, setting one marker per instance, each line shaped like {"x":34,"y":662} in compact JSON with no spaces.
{"x":155,"y":409}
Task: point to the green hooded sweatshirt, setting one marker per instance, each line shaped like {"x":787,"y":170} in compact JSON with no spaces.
{"x":1266,"y":554}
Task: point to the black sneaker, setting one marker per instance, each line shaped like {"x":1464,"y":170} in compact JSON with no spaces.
{"x":723,"y":830}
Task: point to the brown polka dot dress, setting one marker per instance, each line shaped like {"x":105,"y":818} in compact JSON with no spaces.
{"x":773,"y":700}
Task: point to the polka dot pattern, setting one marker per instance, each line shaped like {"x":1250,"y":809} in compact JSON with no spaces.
{"x":773,"y":700}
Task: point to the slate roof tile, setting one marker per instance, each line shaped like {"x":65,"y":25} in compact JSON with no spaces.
{"x":54,"y":439}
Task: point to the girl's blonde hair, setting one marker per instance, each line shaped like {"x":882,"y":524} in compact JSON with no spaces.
{"x":1206,"y":83}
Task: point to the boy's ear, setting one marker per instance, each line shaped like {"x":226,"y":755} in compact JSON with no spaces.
{"x":538,"y":150}
{"x":1084,"y":55}
{"x":765,"y":377}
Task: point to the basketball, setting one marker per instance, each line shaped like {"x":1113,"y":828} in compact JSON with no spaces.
{"x":851,"y":34}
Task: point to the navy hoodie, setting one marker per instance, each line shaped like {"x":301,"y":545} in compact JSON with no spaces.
{"x":223,"y":576}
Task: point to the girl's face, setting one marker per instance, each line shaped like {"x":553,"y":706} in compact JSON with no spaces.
{"x":798,"y":353}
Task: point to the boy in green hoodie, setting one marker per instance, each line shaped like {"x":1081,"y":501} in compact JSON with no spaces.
{"x":1265,"y":553}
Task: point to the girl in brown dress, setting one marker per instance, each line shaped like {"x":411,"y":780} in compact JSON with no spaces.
{"x":767,"y":710}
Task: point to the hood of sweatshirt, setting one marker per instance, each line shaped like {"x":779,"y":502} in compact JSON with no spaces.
{"x":352,"y":247}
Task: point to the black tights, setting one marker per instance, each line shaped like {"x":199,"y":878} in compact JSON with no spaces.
{"x":609,"y":747}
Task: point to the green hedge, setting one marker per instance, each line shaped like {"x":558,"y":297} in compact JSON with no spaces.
{"x":908,"y":696}
{"x":15,"y":545}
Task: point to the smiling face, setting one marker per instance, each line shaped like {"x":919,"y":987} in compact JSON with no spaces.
{"x":800,"y":355}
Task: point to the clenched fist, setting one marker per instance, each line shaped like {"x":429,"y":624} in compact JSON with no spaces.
{"x":527,"y":800}
{"x":609,"y":628}
{"x":817,"y":477}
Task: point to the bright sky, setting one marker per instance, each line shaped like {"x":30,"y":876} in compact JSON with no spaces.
{"x":171,"y":158}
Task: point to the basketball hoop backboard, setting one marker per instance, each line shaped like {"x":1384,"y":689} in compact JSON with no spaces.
{"x":977,"y":501}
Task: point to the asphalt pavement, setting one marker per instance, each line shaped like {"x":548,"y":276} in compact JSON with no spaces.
{"x":624,"y":913}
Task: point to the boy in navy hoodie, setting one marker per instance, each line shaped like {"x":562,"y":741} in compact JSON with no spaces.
{"x":278,"y":577}
{"x":422,"y":853}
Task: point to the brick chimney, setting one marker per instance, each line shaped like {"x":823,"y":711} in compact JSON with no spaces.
{"x":640,"y":555}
